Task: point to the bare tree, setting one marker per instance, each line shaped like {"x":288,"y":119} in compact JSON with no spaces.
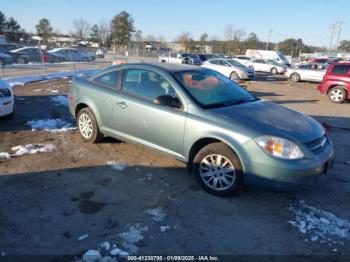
{"x":81,"y":29}
{"x":138,"y":36}
{"x":104,"y":32}
{"x":161,"y":39}
{"x":234,"y":39}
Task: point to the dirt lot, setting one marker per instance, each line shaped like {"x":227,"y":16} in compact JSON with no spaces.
{"x":147,"y":203}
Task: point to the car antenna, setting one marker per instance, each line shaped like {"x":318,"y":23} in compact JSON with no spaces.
{"x":73,"y":63}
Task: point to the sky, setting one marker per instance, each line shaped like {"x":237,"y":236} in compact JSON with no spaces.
{"x":309,"y":20}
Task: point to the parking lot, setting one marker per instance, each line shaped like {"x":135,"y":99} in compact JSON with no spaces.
{"x":79,"y":195}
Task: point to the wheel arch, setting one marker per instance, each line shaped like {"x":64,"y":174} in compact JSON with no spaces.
{"x":204,"y":141}
{"x":83,"y":104}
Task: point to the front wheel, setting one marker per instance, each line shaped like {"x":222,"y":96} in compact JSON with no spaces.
{"x":234,"y":76}
{"x":218,"y":169}
{"x":274,"y":71}
{"x":337,"y":94}
{"x":88,"y":127}
{"x":295,"y":77}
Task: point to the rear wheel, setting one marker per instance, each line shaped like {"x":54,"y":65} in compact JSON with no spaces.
{"x":218,"y":169}
{"x":274,"y":71}
{"x":295,"y":77}
{"x":88,"y":127}
{"x":2,"y":62}
{"x":337,"y":94}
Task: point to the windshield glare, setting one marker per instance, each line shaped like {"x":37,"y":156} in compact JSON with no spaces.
{"x":211,"y":89}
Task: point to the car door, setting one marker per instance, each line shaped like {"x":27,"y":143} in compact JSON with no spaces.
{"x":137,"y":118}
{"x":260,"y":65}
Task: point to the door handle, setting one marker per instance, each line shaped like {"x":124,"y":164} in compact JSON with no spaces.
{"x":122,"y":105}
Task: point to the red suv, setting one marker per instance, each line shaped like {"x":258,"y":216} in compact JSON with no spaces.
{"x":336,"y":82}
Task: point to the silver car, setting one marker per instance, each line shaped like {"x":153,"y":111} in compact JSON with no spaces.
{"x":306,"y":72}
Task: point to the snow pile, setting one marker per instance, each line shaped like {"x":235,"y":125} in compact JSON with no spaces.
{"x":117,"y":166}
{"x":105,"y":252}
{"x":164,"y":228}
{"x":82,"y":237}
{"x":4,"y":155}
{"x":319,"y":225}
{"x":28,"y":149}
{"x":52,"y":125}
{"x":132,"y":237}
{"x":60,"y":100}
{"x":158,"y":214}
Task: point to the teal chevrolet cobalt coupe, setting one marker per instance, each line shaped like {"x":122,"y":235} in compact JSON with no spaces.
{"x":226,"y":135}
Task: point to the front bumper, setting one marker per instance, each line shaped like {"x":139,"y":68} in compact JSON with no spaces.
{"x":6,"y":107}
{"x":270,"y":172}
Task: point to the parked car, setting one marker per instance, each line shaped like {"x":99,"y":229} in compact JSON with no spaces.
{"x":180,"y":58}
{"x":336,"y":82}
{"x":264,"y":65}
{"x":306,"y":72}
{"x":68,"y":54}
{"x":19,"y":58}
{"x":10,"y":47}
{"x":7,"y":101}
{"x":230,"y":68}
{"x":101,"y":52}
{"x":224,"y":134}
{"x":276,"y":56}
{"x":34,"y":55}
{"x":5,"y":59}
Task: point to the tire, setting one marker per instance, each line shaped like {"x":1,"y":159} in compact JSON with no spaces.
{"x":227,"y":182}
{"x":163,"y":61}
{"x":2,"y":62}
{"x":234,"y":76}
{"x":295,"y":77}
{"x":88,"y":127}
{"x":274,"y":71}
{"x":337,"y":94}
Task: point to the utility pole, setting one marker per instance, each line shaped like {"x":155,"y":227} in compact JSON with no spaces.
{"x":340,"y":24}
{"x":332,"y":29}
{"x":268,"y":39}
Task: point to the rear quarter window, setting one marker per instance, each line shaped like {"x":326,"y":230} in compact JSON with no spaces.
{"x":341,"y":69}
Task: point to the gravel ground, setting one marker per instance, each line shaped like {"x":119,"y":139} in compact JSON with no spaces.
{"x":146,"y":203}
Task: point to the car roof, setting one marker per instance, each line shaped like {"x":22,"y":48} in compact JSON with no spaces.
{"x":168,"y":67}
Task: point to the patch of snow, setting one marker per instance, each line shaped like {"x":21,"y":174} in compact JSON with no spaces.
{"x":158,"y":214}
{"x":52,"y":125}
{"x":32,"y":149}
{"x":28,"y":149}
{"x":91,"y":256}
{"x":59,"y":100}
{"x":4,"y":155}
{"x":12,"y":84}
{"x":117,"y":166}
{"x":115,"y":251}
{"x":3,"y":254}
{"x":164,"y":228}
{"x":82,"y":237}
{"x":131,"y":237}
{"x":319,"y":225}
{"x":105,"y":245}
{"x":147,"y":177}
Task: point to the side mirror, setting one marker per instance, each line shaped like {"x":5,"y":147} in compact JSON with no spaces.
{"x":168,"y":101}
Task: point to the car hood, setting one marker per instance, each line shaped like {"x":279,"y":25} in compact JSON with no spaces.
{"x":5,"y":55}
{"x":269,"y":118}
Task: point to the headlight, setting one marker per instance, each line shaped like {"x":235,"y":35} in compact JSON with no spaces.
{"x":279,"y":147}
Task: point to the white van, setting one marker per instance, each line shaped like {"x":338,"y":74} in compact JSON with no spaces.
{"x":268,"y":55}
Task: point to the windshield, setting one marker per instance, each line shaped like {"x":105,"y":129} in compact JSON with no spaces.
{"x":211,"y":89}
{"x":235,"y":63}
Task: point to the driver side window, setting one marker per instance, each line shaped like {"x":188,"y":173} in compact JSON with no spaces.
{"x":146,"y":84}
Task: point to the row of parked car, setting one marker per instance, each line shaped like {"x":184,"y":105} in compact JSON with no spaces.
{"x":19,"y":54}
{"x":334,"y":75}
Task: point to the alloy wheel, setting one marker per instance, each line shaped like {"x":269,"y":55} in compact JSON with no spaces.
{"x":337,"y":95}
{"x":85,"y":126}
{"x":217,"y":172}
